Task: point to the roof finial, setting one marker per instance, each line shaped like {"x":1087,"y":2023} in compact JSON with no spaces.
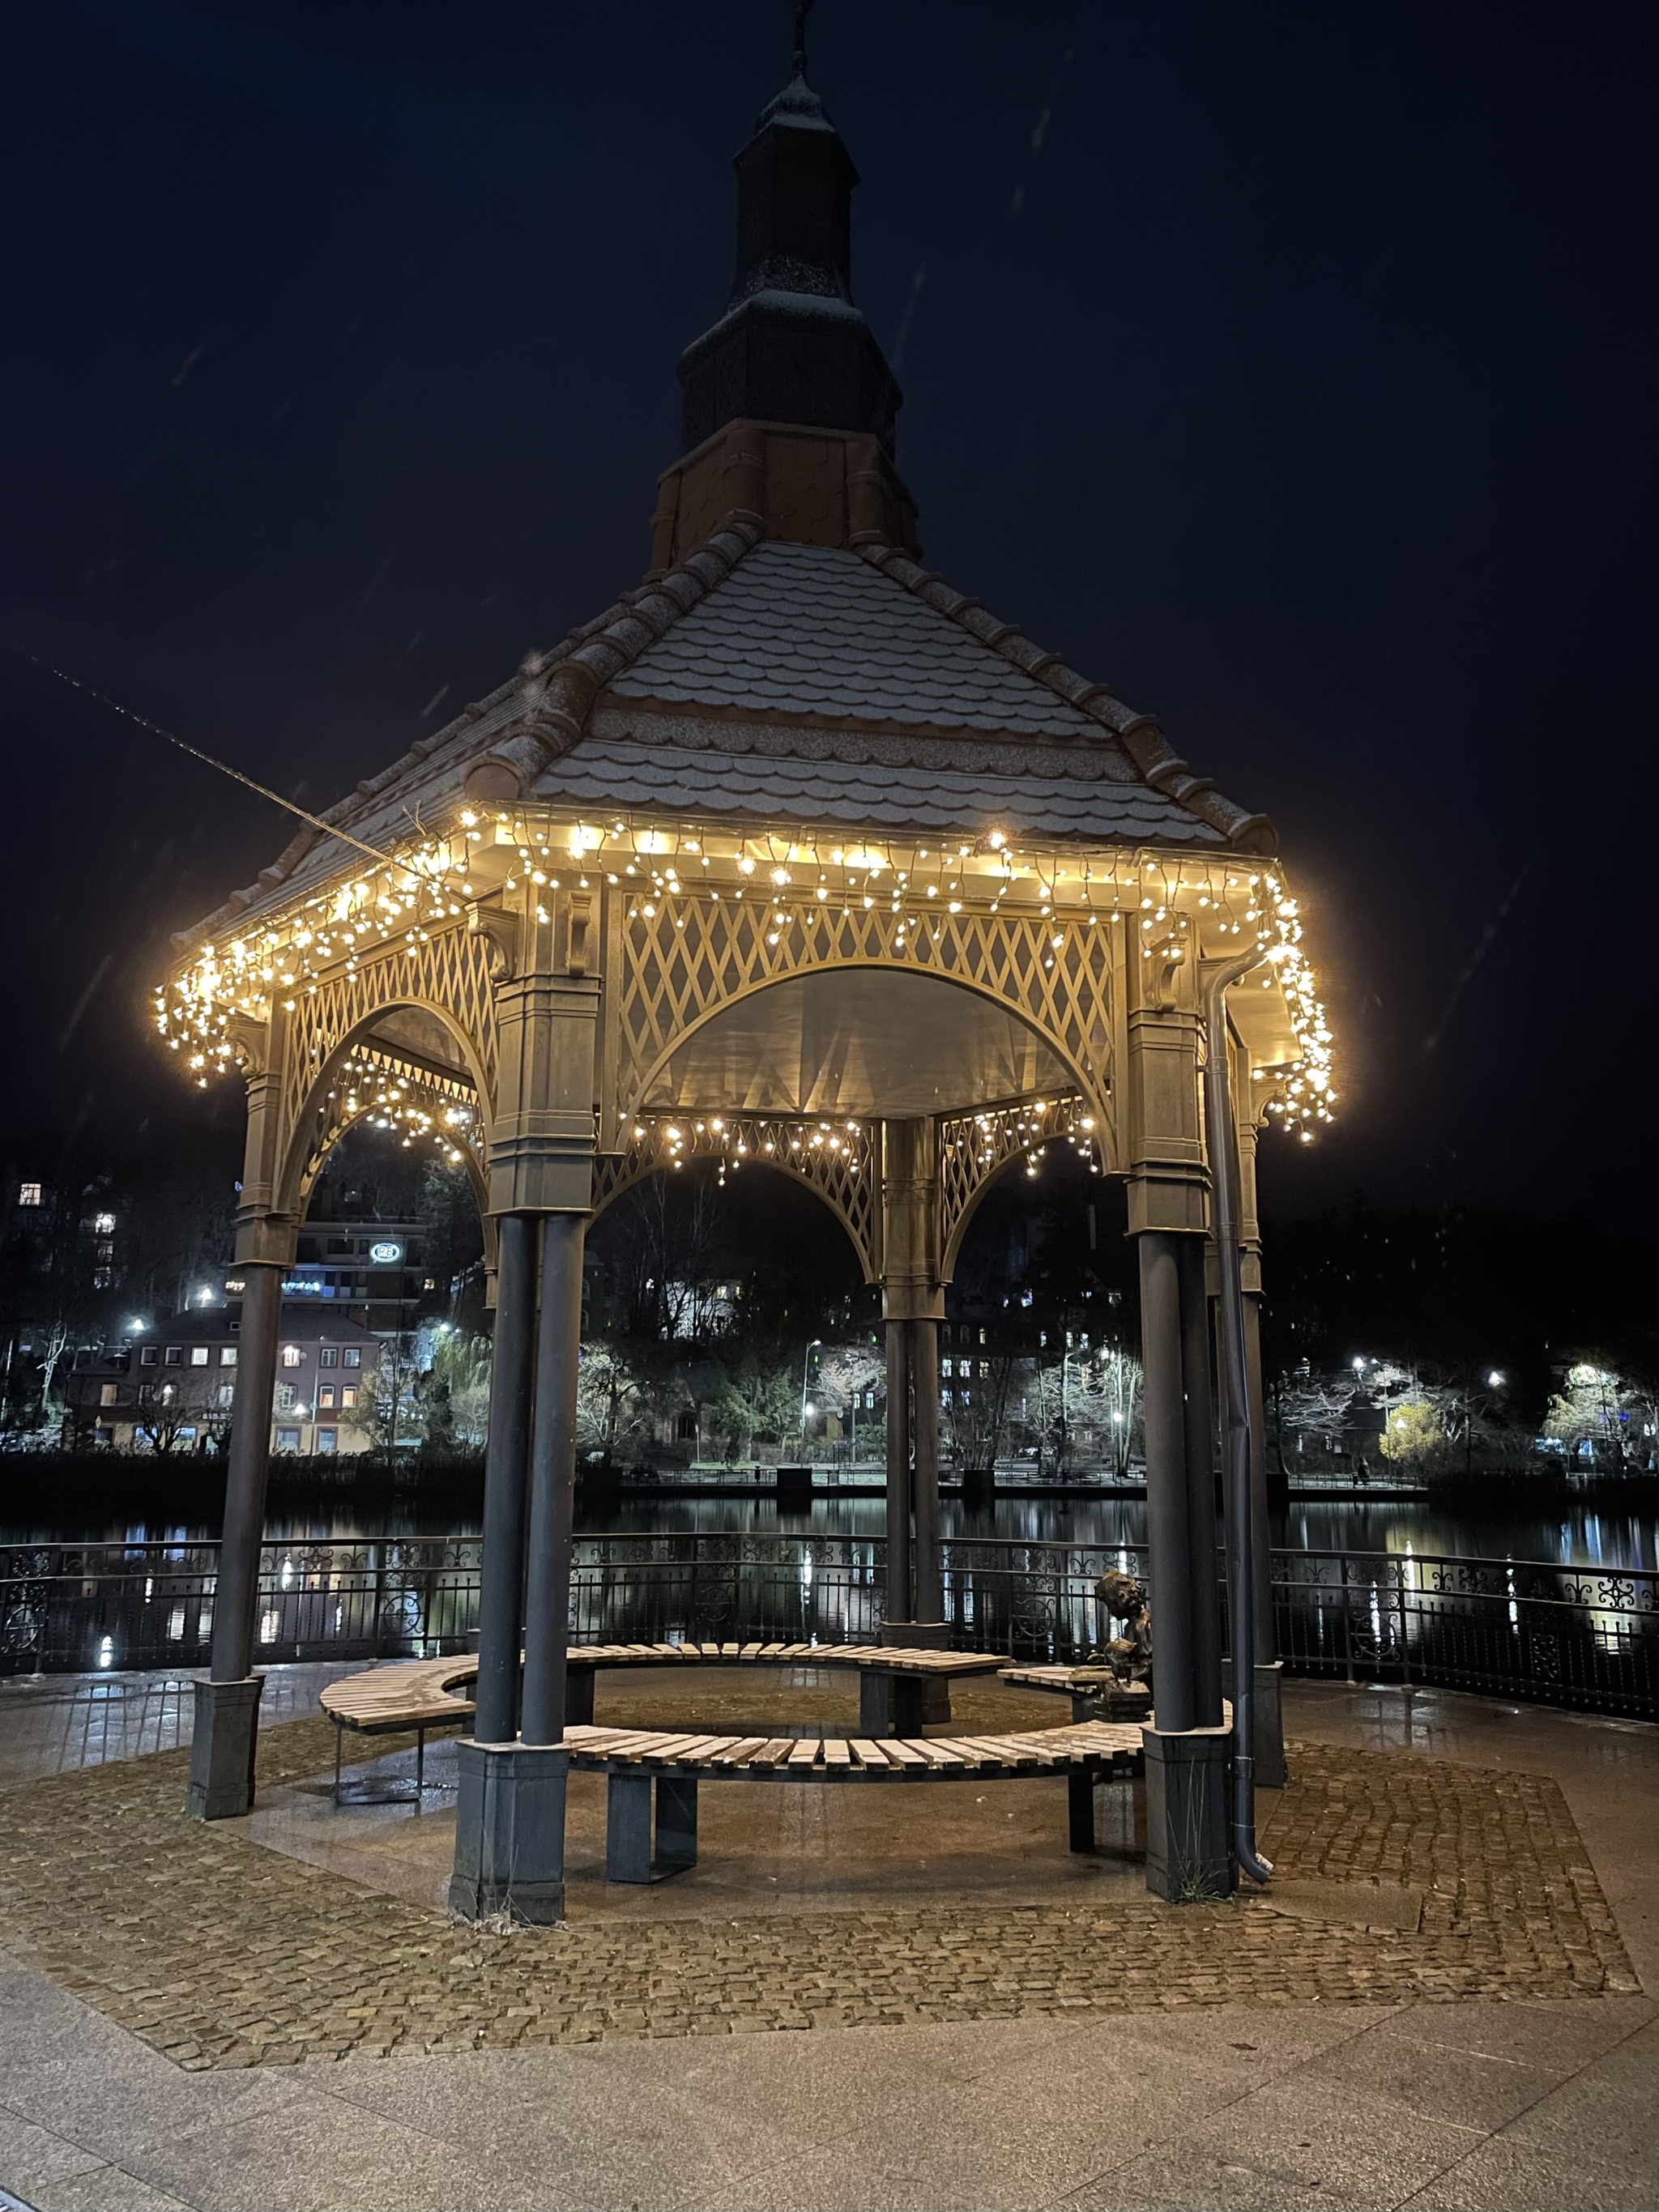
{"x":803,"y":9}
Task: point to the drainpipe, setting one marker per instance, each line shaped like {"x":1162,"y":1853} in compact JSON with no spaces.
{"x":1236,"y":1403}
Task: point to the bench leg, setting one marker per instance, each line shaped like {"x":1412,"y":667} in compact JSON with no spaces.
{"x":1081,"y":1809}
{"x":420,"y":1765}
{"x":676,"y":1826}
{"x":339,"y":1738}
{"x":648,"y":1839}
{"x":875,"y":1703}
{"x":911,"y":1706}
{"x":578,"y":1697}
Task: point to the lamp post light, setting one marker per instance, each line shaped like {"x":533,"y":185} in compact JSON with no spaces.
{"x":816,"y":1345}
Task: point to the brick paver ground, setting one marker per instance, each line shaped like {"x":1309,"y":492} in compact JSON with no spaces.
{"x":220,"y":1953}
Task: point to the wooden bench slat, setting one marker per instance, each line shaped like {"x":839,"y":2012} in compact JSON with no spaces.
{"x":775,"y":1752}
{"x":868,"y":1753}
{"x":805,"y":1753}
{"x":836,"y":1752}
{"x":937,"y":1755}
{"x":740,"y":1749}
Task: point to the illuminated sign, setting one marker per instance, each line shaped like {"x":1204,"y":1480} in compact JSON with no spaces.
{"x":386,"y":1253}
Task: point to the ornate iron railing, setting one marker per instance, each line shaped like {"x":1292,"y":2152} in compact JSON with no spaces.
{"x":1573,"y":1636}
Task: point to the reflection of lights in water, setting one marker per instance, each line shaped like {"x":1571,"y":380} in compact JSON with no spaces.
{"x":269,"y":1622}
{"x":106,"y":1652}
{"x":1515,"y":1610}
{"x":149,"y":1588}
{"x":288,"y":1574}
{"x":1376,"y":1617}
{"x":340,"y":1615}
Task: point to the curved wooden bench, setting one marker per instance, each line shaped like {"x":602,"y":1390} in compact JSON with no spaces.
{"x":650,"y":1813}
{"x":1095,"y":1691}
{"x":420,"y":1693}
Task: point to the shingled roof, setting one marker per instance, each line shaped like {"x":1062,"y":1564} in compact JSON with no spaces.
{"x":767,"y":681}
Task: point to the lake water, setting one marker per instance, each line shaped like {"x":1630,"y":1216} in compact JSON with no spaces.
{"x":1568,"y":1529}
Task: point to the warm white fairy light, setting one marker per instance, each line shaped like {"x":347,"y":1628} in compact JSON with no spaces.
{"x":802,"y":886}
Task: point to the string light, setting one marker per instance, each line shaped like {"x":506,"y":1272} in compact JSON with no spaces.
{"x":1188,"y":905}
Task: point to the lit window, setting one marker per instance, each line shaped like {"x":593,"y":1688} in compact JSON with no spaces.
{"x":325,"y":1440}
{"x":945,"y":1366}
{"x":351,"y":1357}
{"x":286,"y":1440}
{"x":28,"y":1194}
{"x":198,"y":1355}
{"x":291,"y":1355}
{"x":103,"y":1225}
{"x":285,"y":1397}
{"x":984,"y":1370}
{"x":227,"y":1355}
{"x":348,"y":1394}
{"x":103,"y":1279}
{"x":106,"y":1396}
{"x":325,"y":1394}
{"x":981,"y":1336}
{"x":227,"y":1394}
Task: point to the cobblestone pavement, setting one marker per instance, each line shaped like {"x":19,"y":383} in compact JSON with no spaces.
{"x":221,"y":1953}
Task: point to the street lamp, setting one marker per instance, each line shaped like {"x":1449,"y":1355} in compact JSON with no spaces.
{"x":816,"y":1345}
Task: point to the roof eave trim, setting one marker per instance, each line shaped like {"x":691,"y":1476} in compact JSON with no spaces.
{"x":1140,"y":734}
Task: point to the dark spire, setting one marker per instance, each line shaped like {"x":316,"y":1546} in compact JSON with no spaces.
{"x":791,"y":346}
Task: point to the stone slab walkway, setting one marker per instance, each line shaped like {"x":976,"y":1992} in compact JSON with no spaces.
{"x":1435,"y":2009}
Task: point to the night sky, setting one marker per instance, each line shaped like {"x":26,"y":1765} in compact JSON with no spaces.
{"x":1294,"y":370}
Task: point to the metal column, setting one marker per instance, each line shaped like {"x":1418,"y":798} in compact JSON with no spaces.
{"x":924,"y":1386}
{"x":228,"y":1703}
{"x":1200,"y":1443}
{"x":898,"y":1471}
{"x":552,"y":1480}
{"x":500,"y":1596}
{"x":1169,"y":1537}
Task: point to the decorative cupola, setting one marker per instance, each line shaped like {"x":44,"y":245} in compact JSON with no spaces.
{"x":789,"y":405}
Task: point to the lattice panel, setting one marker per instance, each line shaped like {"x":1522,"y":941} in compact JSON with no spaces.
{"x":975,"y":1148}
{"x":358,"y":1095}
{"x":449,"y":973}
{"x":688,"y":958}
{"x":837,"y":1159}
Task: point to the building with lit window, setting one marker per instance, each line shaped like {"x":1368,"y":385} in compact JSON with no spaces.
{"x":170,"y":1388}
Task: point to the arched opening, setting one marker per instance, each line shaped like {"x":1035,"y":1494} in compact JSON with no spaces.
{"x":428,"y":1049}
{"x":722,"y":1325}
{"x":870,"y":1041}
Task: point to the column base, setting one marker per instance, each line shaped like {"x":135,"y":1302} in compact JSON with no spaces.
{"x":1189,"y":1857}
{"x":1269,"y":1748}
{"x":509,"y":1833}
{"x":924,"y":1701}
{"x":916,"y":1635}
{"x":222,"y":1748}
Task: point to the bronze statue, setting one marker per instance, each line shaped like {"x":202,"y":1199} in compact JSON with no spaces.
{"x":1120,"y":1597}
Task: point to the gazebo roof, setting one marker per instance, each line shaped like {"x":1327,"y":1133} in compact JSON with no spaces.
{"x":769,"y":681}
{"x":787,"y":663}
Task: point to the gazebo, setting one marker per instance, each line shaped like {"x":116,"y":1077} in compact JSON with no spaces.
{"x":798,"y":855}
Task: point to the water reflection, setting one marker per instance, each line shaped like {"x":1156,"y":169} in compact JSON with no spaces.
{"x":1571,"y":1534}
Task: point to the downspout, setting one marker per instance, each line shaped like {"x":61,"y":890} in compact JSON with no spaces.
{"x":1235,"y":1401}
